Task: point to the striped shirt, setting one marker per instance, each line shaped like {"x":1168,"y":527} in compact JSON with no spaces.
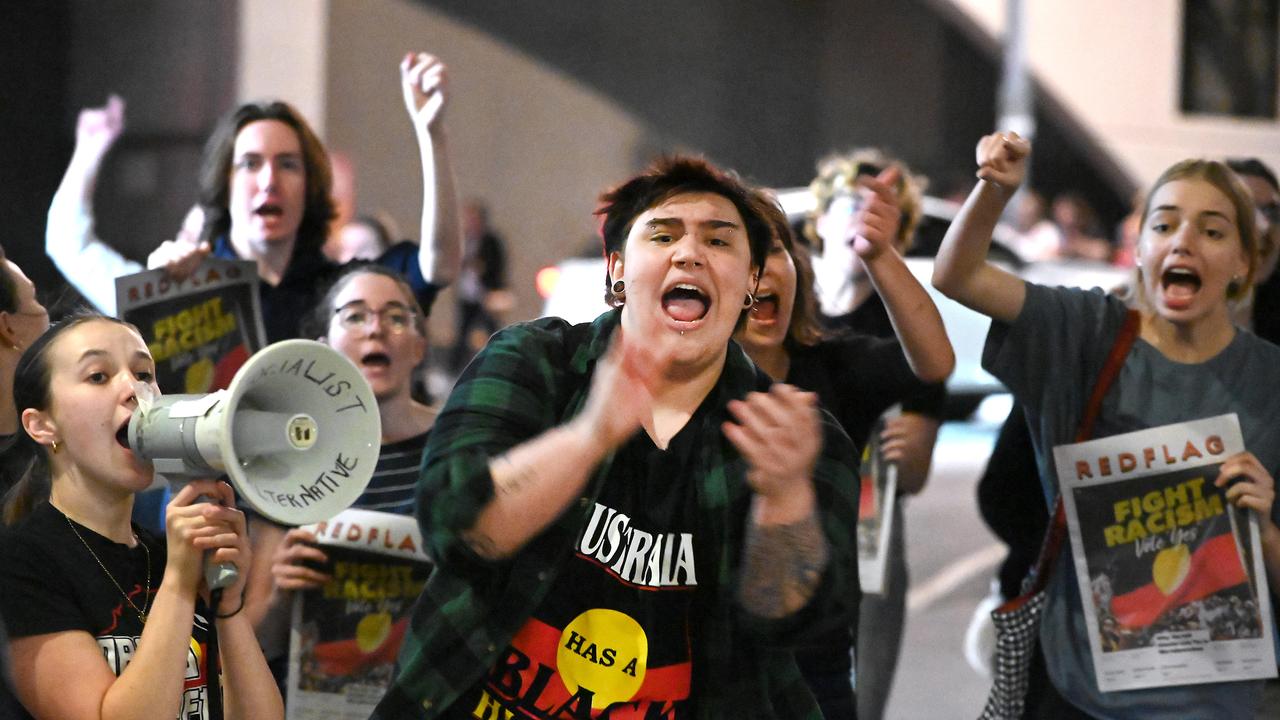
{"x":394,"y":479}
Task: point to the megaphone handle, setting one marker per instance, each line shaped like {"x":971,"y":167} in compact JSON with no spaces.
{"x":218,"y":575}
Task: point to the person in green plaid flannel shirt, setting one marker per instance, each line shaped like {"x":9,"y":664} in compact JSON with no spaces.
{"x":629,"y":519}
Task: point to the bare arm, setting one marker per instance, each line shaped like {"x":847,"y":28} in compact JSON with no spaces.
{"x":277,"y":569}
{"x":150,"y":688}
{"x":86,"y":261}
{"x":915,"y":318}
{"x":424,"y":82}
{"x":786,"y":553}
{"x":261,"y":594}
{"x":535,"y":481}
{"x":249,"y":690}
{"x":532,"y":484}
{"x":151,"y":685}
{"x":961,"y":270}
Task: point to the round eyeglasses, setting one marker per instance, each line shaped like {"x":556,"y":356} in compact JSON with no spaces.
{"x":395,"y":318}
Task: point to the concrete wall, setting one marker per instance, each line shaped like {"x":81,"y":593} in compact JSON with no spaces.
{"x":283,"y":53}
{"x":537,"y":146}
{"x":1117,"y":67}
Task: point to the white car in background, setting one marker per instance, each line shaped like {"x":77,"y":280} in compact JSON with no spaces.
{"x":574,"y":289}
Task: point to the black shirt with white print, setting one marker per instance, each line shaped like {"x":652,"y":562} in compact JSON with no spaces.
{"x":50,"y":582}
{"x":613,"y":640}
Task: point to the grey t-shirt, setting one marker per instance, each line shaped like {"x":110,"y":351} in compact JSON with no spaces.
{"x":1050,"y":358}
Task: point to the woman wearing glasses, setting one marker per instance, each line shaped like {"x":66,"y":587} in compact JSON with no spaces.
{"x":370,"y":315}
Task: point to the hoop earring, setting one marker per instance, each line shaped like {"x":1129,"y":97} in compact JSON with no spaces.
{"x":619,"y":287}
{"x":749,"y":301}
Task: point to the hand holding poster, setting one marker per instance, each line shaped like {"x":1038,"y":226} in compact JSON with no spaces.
{"x":1170,"y":574}
{"x":201,"y":329}
{"x":878,"y":495}
{"x":346,"y":635}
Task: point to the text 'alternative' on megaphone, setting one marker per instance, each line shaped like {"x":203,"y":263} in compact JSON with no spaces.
{"x":297,"y":432}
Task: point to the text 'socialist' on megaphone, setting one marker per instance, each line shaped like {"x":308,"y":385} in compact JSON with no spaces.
{"x":297,"y":432}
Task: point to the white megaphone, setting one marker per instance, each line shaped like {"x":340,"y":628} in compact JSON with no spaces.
{"x":297,"y":432}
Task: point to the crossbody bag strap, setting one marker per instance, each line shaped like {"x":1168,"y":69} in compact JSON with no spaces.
{"x":1111,"y":368}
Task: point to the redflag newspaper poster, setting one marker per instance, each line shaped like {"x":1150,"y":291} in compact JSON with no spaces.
{"x":878,"y":493}
{"x":345,"y":636}
{"x":1171,"y":574}
{"x":200,"y":330}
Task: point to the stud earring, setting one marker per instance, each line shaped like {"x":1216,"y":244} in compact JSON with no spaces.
{"x":1233,"y":287}
{"x":56,"y":449}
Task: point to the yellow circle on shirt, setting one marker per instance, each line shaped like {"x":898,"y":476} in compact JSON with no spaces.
{"x":606,"y":652}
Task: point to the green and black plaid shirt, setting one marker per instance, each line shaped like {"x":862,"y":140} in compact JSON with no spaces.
{"x":533,"y":377}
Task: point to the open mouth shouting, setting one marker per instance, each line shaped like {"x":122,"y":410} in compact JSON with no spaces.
{"x":375,"y":361}
{"x":686,"y":303}
{"x":1179,"y":286}
{"x":122,"y":435}
{"x":269,"y":211}
{"x":765,"y":309}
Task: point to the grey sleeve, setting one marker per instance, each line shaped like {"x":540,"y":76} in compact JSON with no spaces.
{"x":1050,"y":356}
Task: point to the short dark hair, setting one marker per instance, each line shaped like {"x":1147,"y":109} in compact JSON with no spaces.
{"x":667,"y":177}
{"x":215,"y":173}
{"x":1254,"y":167}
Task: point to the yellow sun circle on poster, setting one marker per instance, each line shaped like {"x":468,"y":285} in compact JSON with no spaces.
{"x":199,"y":376}
{"x":372,"y":631}
{"x":1170,"y":567}
{"x":606,"y":652}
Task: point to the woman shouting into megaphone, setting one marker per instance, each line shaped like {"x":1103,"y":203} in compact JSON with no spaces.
{"x":91,"y":597}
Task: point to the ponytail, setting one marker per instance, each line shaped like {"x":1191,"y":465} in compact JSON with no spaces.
{"x":32,"y":487}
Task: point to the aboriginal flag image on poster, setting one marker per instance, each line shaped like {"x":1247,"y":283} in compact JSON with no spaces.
{"x":878,"y":494}
{"x":200,"y":330}
{"x":1173,"y":590}
{"x":345,"y":636}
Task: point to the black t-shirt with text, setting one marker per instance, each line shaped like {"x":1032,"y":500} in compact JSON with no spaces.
{"x":50,"y":583}
{"x":614,"y":638}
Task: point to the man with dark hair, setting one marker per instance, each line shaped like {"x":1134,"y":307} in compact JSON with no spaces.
{"x":628,"y":520}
